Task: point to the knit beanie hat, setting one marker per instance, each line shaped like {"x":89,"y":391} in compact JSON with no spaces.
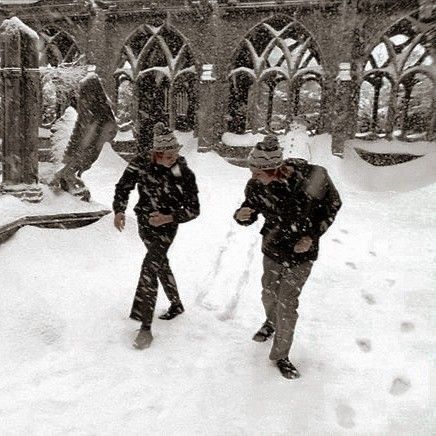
{"x":266,"y":155}
{"x":164,"y":139}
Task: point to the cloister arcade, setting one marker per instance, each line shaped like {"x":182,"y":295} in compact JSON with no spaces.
{"x":398,"y":82}
{"x":355,"y":67}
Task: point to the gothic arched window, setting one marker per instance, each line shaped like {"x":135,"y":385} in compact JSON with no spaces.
{"x":276,"y":75}
{"x":398,"y":82}
{"x":63,"y":67}
{"x":158,"y":61}
{"x":57,"y":47}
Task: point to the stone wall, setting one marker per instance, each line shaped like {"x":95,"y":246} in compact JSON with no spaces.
{"x":345,"y":32}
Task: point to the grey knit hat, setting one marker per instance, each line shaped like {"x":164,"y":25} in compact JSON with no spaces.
{"x":164,"y":139}
{"x":266,"y":155}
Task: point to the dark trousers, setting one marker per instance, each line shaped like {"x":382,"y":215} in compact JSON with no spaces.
{"x":155,"y":265}
{"x":281,"y":289}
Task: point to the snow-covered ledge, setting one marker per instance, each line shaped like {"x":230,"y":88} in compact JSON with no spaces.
{"x":60,"y":221}
{"x":58,"y":210}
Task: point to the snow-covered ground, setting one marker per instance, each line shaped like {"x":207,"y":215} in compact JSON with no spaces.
{"x":365,"y":340}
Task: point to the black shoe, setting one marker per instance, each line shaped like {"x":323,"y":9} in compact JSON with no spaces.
{"x":144,"y":339}
{"x":287,"y":369}
{"x":173,"y":311}
{"x":264,"y":333}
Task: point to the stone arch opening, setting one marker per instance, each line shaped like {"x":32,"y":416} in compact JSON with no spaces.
{"x":373,"y":108}
{"x":158,"y":61}
{"x":272,"y":69}
{"x":405,"y":57}
{"x":57,"y":47}
{"x":63,"y":66}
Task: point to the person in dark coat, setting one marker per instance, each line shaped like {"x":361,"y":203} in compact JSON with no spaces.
{"x":299,"y":202}
{"x":168,"y":196}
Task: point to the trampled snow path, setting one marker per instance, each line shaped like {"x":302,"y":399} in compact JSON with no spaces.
{"x":364,"y":340}
{"x":218,"y":289}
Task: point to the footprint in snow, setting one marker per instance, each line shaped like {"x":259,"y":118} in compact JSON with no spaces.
{"x":369,"y":298}
{"x":391,"y":282}
{"x":399,"y":386}
{"x":352,"y":265}
{"x":338,"y":241}
{"x":407,"y":327}
{"x":345,"y":416}
{"x":364,"y":345}
{"x":344,"y":231}
{"x":209,"y":306}
{"x":373,"y":253}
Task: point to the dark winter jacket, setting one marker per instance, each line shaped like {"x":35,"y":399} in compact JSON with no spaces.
{"x":305,"y":204}
{"x":166,"y":190}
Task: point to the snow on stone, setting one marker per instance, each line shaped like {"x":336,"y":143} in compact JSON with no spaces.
{"x":400,"y":177}
{"x":14,"y":23}
{"x":296,"y":142}
{"x":395,"y":146}
{"x":62,"y":130}
{"x":242,"y":140}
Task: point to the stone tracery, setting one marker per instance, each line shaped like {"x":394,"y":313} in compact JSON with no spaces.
{"x":158,"y":62}
{"x":277,"y":69}
{"x":400,"y":80}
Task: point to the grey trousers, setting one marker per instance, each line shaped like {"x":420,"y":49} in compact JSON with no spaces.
{"x":281,"y":288}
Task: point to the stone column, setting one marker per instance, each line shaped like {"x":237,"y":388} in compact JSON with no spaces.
{"x":405,"y":110}
{"x":21,"y":111}
{"x":206,"y":93}
{"x":431,"y":134}
{"x":342,"y":120}
{"x":97,"y":50}
{"x":12,"y":131}
{"x":375,"y":105}
{"x":392,"y":111}
{"x":208,"y":89}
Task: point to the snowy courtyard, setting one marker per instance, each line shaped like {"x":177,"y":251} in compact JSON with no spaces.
{"x":364,"y":344}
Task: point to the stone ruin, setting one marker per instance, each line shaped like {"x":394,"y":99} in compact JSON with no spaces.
{"x":20,"y":81}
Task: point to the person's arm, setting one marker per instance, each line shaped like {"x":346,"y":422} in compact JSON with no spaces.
{"x":326,"y":204}
{"x":189,"y":208}
{"x":247,"y":213}
{"x":126,"y":183}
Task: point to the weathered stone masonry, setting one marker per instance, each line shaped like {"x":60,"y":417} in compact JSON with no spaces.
{"x":343,"y":32}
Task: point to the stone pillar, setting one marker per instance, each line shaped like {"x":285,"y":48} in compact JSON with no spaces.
{"x":392,"y":111}
{"x":253,"y":107}
{"x":375,"y":104}
{"x":405,"y":110}
{"x":2,"y":109}
{"x":342,"y":122}
{"x":97,"y":50}
{"x":431,"y":134}
{"x":206,"y":93}
{"x":208,"y":88}
{"x":21,"y":111}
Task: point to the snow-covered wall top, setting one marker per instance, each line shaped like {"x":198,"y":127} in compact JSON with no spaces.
{"x":15,"y":24}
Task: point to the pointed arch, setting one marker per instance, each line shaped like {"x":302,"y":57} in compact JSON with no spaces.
{"x":410,"y":57}
{"x":276,"y":50}
{"x":57,"y":47}
{"x":163,"y":56}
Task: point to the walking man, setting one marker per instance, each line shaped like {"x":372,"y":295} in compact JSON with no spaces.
{"x":168,"y":196}
{"x":299,"y":202}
